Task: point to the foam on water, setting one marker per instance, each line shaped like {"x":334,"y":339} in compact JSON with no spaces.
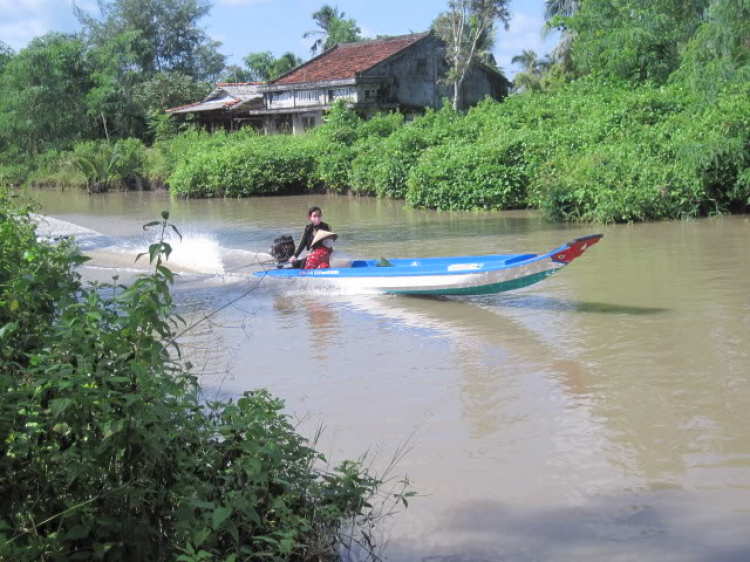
{"x":51,"y":227}
{"x":197,"y":252}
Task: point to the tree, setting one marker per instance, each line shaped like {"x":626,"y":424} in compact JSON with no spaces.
{"x":170,"y":89}
{"x":533,"y":69}
{"x":171,"y":37}
{"x":235,"y":73}
{"x":342,"y":31}
{"x":286,"y":62}
{"x":42,"y":95}
{"x":634,"y":40}
{"x":528,"y":60}
{"x":719,"y":52}
{"x":563,"y":8}
{"x":263,"y":67}
{"x":6,"y":53}
{"x":260,"y":66}
{"x":116,"y":77}
{"x":332,"y":29}
{"x":555,"y":14}
{"x":467,"y":27}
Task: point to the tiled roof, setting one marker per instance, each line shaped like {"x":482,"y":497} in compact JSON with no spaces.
{"x":179,"y":108}
{"x":346,"y":60}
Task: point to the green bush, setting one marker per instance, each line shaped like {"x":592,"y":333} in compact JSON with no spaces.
{"x":468,"y":176}
{"x":246,"y":167}
{"x":341,"y":139}
{"x":167,"y":154}
{"x":107,"y":450}
{"x":12,"y":174}
{"x":382,"y":164}
{"x":97,"y":165}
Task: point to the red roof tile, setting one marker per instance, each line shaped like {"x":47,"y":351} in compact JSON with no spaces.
{"x":348,"y":59}
{"x":183,"y":106}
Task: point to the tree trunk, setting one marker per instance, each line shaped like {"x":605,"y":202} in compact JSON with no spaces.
{"x":457,"y":93}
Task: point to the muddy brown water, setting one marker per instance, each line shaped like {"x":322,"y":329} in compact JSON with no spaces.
{"x":603,"y":414}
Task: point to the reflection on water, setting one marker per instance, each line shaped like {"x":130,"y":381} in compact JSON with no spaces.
{"x":599,"y":415}
{"x":539,"y":302}
{"x":322,"y":322}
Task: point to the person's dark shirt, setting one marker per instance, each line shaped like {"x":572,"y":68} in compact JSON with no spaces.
{"x":307,"y":237}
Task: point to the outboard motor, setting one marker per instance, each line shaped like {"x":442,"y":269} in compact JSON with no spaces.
{"x":282,"y":249}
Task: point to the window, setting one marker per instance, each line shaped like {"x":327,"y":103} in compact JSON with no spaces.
{"x":421,"y":69}
{"x":281,"y":98}
{"x":340,"y":94}
{"x":308,"y":96}
{"x":371,"y":96}
{"x":308,"y":122}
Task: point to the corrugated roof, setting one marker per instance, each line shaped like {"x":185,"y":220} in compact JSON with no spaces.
{"x":224,"y":96}
{"x":243,"y":90}
{"x":213,"y":105}
{"x":346,"y":60}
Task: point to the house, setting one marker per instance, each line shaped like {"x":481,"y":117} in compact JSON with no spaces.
{"x":226,"y":107}
{"x":397,"y":73}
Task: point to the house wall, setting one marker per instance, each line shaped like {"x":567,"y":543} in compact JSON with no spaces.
{"x":415,"y":74}
{"x":479,"y":84}
{"x":287,"y":99}
{"x":418,"y":72}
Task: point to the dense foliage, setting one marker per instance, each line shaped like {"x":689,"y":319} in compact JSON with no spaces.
{"x":593,"y":149}
{"x":641,"y":113}
{"x":106,"y":448}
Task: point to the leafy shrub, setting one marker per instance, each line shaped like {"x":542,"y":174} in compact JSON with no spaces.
{"x":666,"y":155}
{"x":34,"y":279}
{"x":332,"y":165}
{"x":106,"y":450}
{"x":166,"y":154}
{"x":382,"y":165}
{"x":247,"y":166}
{"x":340,"y":140}
{"x":468,"y":176}
{"x":12,"y":174}
{"x":97,"y":165}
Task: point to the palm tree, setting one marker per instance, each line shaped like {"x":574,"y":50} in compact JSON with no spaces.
{"x":564,"y":8}
{"x":530,"y":78}
{"x":528,"y":60}
{"x":285,"y":63}
{"x":325,"y":18}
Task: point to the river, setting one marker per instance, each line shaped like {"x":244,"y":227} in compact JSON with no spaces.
{"x":603,"y":414}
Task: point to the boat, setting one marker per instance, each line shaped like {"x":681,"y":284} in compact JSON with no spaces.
{"x":464,"y":275}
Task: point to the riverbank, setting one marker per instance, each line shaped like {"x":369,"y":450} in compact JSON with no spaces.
{"x":590,"y":150}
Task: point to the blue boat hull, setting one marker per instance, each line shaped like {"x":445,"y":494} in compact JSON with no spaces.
{"x":465,"y":275}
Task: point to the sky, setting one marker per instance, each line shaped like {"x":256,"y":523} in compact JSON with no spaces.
{"x":246,"y":26}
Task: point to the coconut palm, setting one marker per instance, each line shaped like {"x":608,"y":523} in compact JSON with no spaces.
{"x":564,"y":8}
{"x":531,"y":77}
{"x":325,"y":18}
{"x":285,"y":63}
{"x":528,"y":60}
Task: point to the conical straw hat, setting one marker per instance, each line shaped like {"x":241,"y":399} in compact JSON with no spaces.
{"x":322,"y":235}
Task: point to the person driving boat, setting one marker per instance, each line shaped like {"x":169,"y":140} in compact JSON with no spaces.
{"x":315,"y":216}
